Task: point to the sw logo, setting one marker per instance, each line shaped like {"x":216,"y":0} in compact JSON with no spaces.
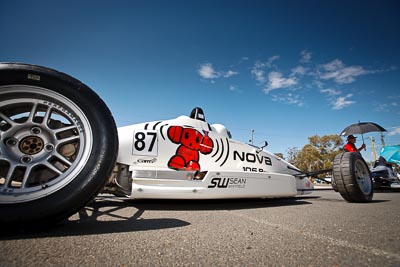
{"x":227,"y":183}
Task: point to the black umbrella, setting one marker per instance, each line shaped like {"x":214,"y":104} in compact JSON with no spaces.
{"x":361,"y":128}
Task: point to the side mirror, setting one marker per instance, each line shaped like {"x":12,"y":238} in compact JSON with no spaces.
{"x":265,"y":144}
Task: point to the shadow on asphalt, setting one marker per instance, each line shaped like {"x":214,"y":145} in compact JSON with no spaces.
{"x":218,"y":204}
{"x":119,"y":216}
{"x":395,"y":191}
{"x":88,"y":222}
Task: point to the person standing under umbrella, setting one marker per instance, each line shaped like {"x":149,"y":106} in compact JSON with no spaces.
{"x":359,"y":128}
{"x":350,"y":146}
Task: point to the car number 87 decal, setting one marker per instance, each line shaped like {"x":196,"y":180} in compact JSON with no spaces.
{"x":145,"y":143}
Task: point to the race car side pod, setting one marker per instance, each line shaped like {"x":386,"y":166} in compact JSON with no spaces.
{"x":312,"y":174}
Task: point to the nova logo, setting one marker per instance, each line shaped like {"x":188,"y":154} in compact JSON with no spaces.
{"x":252,"y":158}
{"x":227,"y":182}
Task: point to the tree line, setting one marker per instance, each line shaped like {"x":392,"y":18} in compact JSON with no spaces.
{"x":318,"y":154}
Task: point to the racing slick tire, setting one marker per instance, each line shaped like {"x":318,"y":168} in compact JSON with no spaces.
{"x":58,"y":145}
{"x":352,"y":177}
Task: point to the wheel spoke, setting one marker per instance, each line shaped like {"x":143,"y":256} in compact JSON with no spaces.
{"x":64,"y":129}
{"x":26,"y":176}
{"x":63,"y":159}
{"x":9,"y":175}
{"x":47,"y":117}
{"x":53,"y":168}
{"x":68,"y":140}
{"x":11,"y":179}
{"x":32,"y":112}
{"x":7,"y":119}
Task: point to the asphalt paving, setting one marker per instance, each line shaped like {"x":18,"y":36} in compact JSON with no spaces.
{"x":320,"y":229}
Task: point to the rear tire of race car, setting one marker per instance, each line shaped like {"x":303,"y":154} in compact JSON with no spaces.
{"x":352,"y":177}
{"x":58,"y":145}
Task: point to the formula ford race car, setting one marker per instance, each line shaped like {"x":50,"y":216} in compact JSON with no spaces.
{"x":383,"y":176}
{"x":59,"y":147}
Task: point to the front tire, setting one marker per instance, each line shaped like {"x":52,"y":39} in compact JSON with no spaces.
{"x":352,"y":177}
{"x":58,"y":144}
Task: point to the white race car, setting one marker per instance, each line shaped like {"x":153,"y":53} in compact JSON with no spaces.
{"x":59,"y":147}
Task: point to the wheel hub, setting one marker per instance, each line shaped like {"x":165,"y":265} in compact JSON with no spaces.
{"x":31,"y":145}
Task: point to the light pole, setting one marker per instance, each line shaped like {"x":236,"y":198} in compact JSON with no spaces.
{"x":373,"y":147}
{"x":252,"y":136}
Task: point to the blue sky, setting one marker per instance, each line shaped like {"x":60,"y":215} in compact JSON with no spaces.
{"x":287,"y":69}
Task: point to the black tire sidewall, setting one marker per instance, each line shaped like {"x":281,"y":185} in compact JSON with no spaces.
{"x":344,"y":171}
{"x":92,"y":177}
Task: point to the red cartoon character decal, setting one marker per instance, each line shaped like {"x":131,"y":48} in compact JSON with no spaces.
{"x":191,"y":143}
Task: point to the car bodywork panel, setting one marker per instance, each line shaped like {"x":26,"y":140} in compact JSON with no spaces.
{"x":187,"y":158}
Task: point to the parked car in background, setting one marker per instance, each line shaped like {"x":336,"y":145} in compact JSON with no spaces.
{"x":383,"y":175}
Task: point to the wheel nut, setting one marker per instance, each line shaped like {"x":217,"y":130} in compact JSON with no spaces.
{"x":36,"y":130}
{"x":49,"y":147}
{"x":26,"y":159}
{"x":11,"y":142}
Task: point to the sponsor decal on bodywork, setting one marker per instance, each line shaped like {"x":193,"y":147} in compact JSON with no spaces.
{"x":227,"y":182}
{"x":146,"y":161}
{"x":252,"y":158}
{"x":191,"y":143}
{"x":221,"y":151}
{"x":145,"y":143}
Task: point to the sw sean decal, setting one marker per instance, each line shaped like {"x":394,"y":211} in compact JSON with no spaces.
{"x":227,"y":182}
